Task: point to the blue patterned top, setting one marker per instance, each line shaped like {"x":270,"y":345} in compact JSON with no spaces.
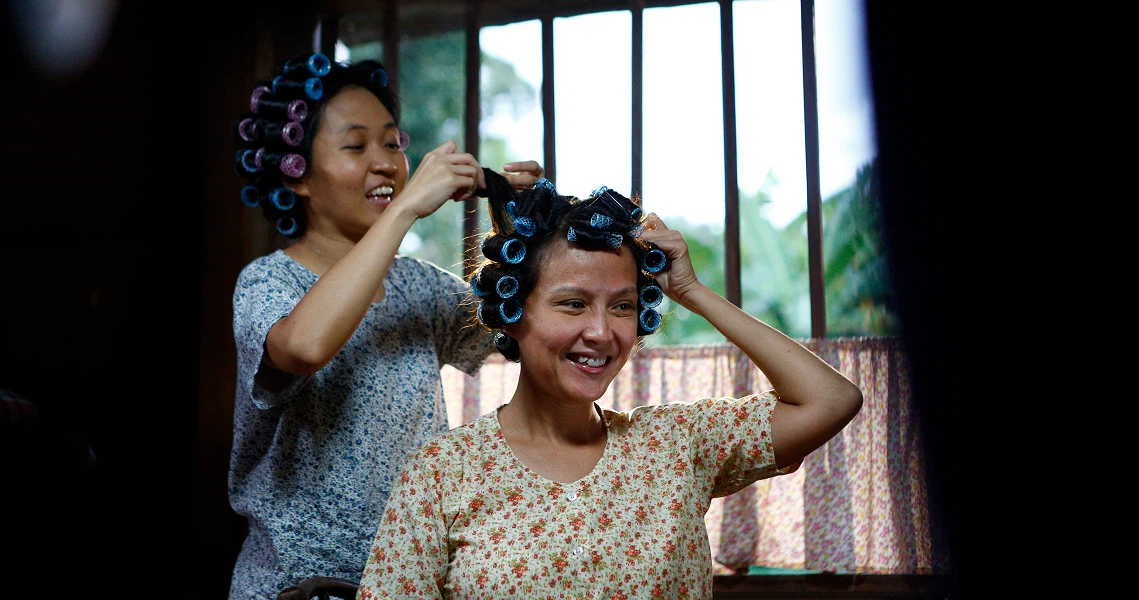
{"x":313,"y":464}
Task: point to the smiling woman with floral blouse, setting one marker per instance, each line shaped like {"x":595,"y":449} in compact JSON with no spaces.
{"x":551,"y":496}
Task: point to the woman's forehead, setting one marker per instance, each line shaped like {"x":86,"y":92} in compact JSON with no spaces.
{"x":566,"y":263}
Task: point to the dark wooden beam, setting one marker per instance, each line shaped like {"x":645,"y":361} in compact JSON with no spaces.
{"x":550,"y":165}
{"x":637,"y":7}
{"x":814,"y":194}
{"x":731,"y":180}
{"x":391,"y":43}
{"x":471,"y":119}
{"x":329,"y":28}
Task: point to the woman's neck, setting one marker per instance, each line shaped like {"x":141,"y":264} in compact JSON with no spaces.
{"x":318,"y":251}
{"x":539,"y":420}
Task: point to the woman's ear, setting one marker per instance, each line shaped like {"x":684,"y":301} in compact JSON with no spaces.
{"x":297,"y":186}
{"x":510,"y":329}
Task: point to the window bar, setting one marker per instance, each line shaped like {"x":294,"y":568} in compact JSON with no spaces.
{"x":328,"y":33}
{"x":814,"y":193}
{"x":471,"y":139}
{"x":548,"y":91}
{"x":390,"y":33}
{"x":638,"y":9}
{"x":731,"y":181}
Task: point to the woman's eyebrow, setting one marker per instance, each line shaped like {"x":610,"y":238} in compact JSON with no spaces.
{"x":361,"y":127}
{"x":573,"y":289}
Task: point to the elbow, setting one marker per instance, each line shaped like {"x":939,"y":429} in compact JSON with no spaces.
{"x":302,"y":358}
{"x":851,"y":401}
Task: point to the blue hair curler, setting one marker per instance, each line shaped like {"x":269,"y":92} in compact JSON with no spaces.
{"x":636,"y":214}
{"x":597,"y":192}
{"x":513,"y":251}
{"x":287,"y":225}
{"x":379,"y":77}
{"x":654,"y":260}
{"x":510,"y":311}
{"x":247,"y":159}
{"x":651,"y":296}
{"x":476,"y":288}
{"x":571,"y":235}
{"x":319,"y":64}
{"x":524,"y":226}
{"x":283,"y":198}
{"x":511,"y":207}
{"x":614,"y":240}
{"x":250,"y":196}
{"x":314,"y":89}
{"x":502,"y":341}
{"x":650,"y":320}
{"x":600,"y":221}
{"x":506,"y":287}
{"x":544,"y":184}
{"x":636,"y":231}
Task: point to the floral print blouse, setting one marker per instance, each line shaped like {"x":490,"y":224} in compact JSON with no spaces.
{"x":468,"y":520}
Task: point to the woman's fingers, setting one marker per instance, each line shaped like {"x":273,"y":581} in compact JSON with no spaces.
{"x":527,"y":167}
{"x":522,"y":175}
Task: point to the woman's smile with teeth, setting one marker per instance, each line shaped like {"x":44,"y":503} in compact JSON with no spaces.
{"x":592,"y":362}
{"x":382,"y":190}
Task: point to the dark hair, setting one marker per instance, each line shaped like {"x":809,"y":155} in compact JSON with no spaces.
{"x":523,"y":226}
{"x":275,"y":137}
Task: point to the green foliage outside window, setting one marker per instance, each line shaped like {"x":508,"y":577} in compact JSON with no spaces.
{"x":774,"y":278}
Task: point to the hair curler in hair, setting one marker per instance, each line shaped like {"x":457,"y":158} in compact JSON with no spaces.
{"x":262,"y":106}
{"x":504,"y":249}
{"x":476,"y":283}
{"x":248,"y":129}
{"x":600,"y":221}
{"x":524,"y":226}
{"x":316,"y":63}
{"x":651,"y":296}
{"x":379,"y":77}
{"x":654,"y":260}
{"x":649,"y":320}
{"x":292,"y":132}
{"x":506,"y":287}
{"x":510,"y":310}
{"x":250,"y":196}
{"x":245,"y":162}
{"x":312,"y":88}
{"x":287,"y":225}
{"x":504,"y":342}
{"x":292,"y":165}
{"x":283,"y":198}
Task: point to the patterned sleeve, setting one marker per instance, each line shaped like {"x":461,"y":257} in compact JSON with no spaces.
{"x":731,"y":441}
{"x":459,"y":340}
{"x":409,"y":556}
{"x":262,"y":297}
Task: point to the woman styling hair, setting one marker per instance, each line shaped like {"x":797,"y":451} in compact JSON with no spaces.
{"x":339,"y":340}
{"x":551,"y":496}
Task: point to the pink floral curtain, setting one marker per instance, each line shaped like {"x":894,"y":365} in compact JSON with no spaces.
{"x":858,"y":504}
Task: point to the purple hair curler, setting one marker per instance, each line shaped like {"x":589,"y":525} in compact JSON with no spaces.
{"x":297,"y":110}
{"x":248,"y":129}
{"x":292,"y":133}
{"x":255,"y":98}
{"x":293,"y":165}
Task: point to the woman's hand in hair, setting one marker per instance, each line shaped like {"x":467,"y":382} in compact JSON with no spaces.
{"x":679,"y":278}
{"x":444,"y":174}
{"x":522,"y":175}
